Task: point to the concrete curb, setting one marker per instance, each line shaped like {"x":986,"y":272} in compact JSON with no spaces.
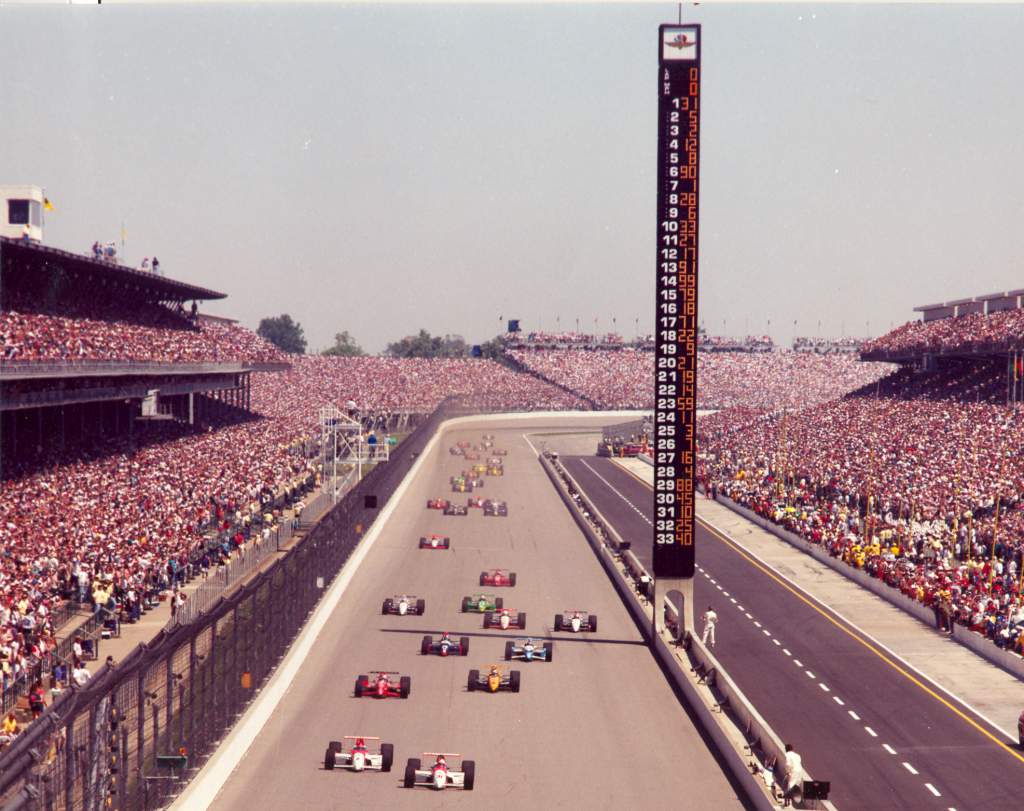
{"x":984,"y":647}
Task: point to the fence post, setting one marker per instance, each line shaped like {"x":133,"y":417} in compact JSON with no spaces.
{"x":170,"y":698}
{"x":69,"y":762}
{"x":191,"y":694}
{"x":122,"y":775}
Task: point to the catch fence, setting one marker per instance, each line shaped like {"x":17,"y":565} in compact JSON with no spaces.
{"x":130,"y":737}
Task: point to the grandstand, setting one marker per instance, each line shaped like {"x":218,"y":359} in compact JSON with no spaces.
{"x":915,"y":478}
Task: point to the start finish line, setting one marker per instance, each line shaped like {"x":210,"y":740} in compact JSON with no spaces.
{"x":675,"y":400}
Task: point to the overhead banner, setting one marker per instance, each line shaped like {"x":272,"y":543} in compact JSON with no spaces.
{"x":675,"y":397}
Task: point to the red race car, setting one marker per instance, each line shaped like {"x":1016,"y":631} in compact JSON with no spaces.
{"x":498,"y":577}
{"x":475,"y":502}
{"x":438,"y":504}
{"x":383,"y":684}
{"x":433,"y":541}
{"x":505,"y":619}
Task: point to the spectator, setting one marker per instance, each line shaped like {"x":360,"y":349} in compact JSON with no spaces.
{"x":80,"y":675}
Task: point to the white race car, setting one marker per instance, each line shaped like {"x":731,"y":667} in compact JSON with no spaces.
{"x":575,"y":620}
{"x":403,"y":604}
{"x":359,"y":753}
{"x":439,"y":775}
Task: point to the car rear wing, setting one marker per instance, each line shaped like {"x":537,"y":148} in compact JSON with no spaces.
{"x":358,"y":737}
{"x":442,"y":754}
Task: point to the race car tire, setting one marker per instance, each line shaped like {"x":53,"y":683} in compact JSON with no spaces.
{"x":499,"y":602}
{"x":387,"y":756}
{"x":488,"y":619}
{"x":558,"y":622}
{"x":466,"y":603}
{"x":410,"y":772}
{"x":423,"y":542}
{"x":334,"y":746}
{"x":522,"y":620}
{"x":421,"y":606}
{"x":464,"y":646}
{"x":513,"y":681}
{"x":592,"y":621}
{"x":359,"y":685}
{"x":483,"y":578}
{"x":512,"y":579}
{"x":425,"y":645}
{"x":551,"y":651}
{"x":474,"y":678}
{"x":329,"y":760}
{"x":508,"y":651}
{"x":386,"y":607}
{"x":469,"y":773}
{"x":405,"y":686}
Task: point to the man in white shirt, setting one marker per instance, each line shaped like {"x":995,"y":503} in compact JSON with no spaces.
{"x":710,"y":621}
{"x":792,"y":774}
{"x":80,"y":675}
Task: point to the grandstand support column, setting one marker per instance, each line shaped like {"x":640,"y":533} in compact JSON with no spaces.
{"x":665,"y":590}
{"x":191,"y":408}
{"x":39,"y":427}
{"x":62,"y":429}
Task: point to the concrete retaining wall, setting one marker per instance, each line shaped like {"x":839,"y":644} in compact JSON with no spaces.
{"x":984,"y":647}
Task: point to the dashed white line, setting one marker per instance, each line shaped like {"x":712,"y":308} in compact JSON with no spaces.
{"x":766,"y":632}
{"x":725,"y":594}
{"x":809,"y":674}
{"x":749,"y":617}
{"x":741,"y":608}
{"x":776,"y":642}
{"x":823,"y":686}
{"x":839,"y":701}
{"x":874,"y":734}
{"x":853,"y":715}
{"x":798,"y":663}
{"x":786,"y":651}
{"x":733,"y":600}
{"x":932,"y":789}
{"x":757,"y":623}
{"x":909,"y":768}
{"x":717,"y":586}
{"x":888,"y":749}
{"x":712,"y":580}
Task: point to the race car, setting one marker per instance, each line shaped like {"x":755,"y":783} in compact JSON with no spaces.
{"x":469,"y":476}
{"x":433,"y":541}
{"x":505,"y":618}
{"x":493,"y":681}
{"x":481,"y":603}
{"x":475,"y":502}
{"x":495,"y":470}
{"x":494,"y":460}
{"x":445,"y":646}
{"x":487,"y":444}
{"x":462,"y":486}
{"x":359,"y":755}
{"x":529,"y":651}
{"x":498,"y":577}
{"x":497,"y":508}
{"x":438,"y":504}
{"x":403,"y":604}
{"x":472,"y":456}
{"x":455,"y":509}
{"x":499,"y":451}
{"x":1020,"y":730}
{"x":380,"y":684}
{"x":479,"y":470}
{"x":455,"y":450}
{"x":465,"y":443}
{"x":488,"y":437}
{"x":575,"y":621}
{"x":440,"y":775}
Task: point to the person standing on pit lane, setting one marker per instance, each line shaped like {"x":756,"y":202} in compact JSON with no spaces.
{"x":792,"y":776}
{"x":710,"y":621}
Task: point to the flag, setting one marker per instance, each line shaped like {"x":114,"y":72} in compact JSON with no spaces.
{"x":1018,"y":369}
{"x":47,"y":205}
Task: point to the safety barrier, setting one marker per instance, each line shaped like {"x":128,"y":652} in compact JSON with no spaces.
{"x":981,"y":645}
{"x":133,"y":733}
{"x":635,"y":586}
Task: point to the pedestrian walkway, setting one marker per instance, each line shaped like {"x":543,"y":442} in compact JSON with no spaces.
{"x":989,"y":690}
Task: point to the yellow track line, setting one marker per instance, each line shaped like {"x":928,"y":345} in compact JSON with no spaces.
{"x":894,"y":665}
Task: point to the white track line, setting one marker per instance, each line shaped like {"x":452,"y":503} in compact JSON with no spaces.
{"x":888,"y":749}
{"x":861,"y":631}
{"x":873,"y":734}
{"x":932,"y":789}
{"x":909,"y":768}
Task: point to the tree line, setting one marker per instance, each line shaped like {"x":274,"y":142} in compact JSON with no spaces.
{"x":287,"y":335}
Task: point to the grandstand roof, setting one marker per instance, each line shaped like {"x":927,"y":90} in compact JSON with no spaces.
{"x":88,"y":271}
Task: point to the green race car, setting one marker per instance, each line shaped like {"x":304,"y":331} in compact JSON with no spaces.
{"x":481,"y":603}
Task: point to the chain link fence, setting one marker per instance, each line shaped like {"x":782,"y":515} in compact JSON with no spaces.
{"x":130,"y":738}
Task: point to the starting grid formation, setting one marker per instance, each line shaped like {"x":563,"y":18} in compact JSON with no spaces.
{"x":675,"y":415}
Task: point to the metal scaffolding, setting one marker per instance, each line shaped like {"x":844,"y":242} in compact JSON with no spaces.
{"x":343,"y":443}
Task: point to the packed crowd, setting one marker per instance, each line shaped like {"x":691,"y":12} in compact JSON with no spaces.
{"x":961,"y":334}
{"x":112,"y":332}
{"x":622,"y":378}
{"x":561,"y":339}
{"x":918,"y":480}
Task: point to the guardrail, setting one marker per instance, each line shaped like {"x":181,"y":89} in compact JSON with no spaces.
{"x":636,"y":586}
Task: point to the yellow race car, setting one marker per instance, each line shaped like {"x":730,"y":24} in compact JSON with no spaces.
{"x":493,"y":680}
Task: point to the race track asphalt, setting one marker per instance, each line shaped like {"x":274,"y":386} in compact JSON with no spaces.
{"x":598,"y":727}
{"x":884,"y":740}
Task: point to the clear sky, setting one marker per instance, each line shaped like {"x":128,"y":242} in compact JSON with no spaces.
{"x":384,"y":168}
